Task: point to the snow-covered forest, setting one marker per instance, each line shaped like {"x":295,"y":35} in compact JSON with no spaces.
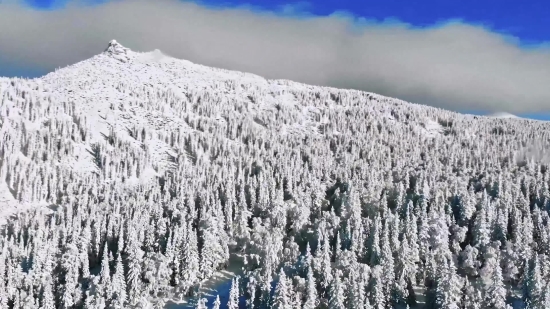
{"x":129,"y":179}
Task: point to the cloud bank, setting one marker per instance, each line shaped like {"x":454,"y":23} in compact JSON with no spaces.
{"x":454,"y":65}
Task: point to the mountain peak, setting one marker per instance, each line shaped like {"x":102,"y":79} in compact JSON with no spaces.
{"x":117,"y":51}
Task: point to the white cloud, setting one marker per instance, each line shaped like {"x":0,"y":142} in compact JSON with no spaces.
{"x":455,"y":65}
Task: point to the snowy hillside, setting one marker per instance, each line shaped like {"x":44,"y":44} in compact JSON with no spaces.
{"x":130,"y":179}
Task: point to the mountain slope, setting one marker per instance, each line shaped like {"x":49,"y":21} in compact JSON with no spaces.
{"x":157,"y":170}
{"x":117,"y":93}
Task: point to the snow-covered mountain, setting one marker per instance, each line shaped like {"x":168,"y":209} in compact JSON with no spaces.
{"x":141,"y":176}
{"x":141,"y":99}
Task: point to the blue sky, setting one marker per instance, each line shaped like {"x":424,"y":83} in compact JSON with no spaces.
{"x":461,"y":55}
{"x":526,"y":19}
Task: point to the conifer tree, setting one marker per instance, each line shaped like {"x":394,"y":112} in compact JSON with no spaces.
{"x":495,"y":294}
{"x":48,"y":301}
{"x":534,"y":285}
{"x":311,"y":301}
{"x":233,"y":302}
{"x":119,"y":284}
{"x":217,"y":303}
{"x":282,"y":299}
{"x":337,"y":296}
{"x":133,"y":282}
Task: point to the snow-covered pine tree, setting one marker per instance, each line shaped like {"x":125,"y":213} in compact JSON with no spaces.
{"x":217,"y":303}
{"x":337,"y":298}
{"x":282,"y":297}
{"x":119,"y":285}
{"x":233,"y":302}
{"x":312,"y":300}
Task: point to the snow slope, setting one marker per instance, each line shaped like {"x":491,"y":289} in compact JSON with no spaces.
{"x":112,"y":94}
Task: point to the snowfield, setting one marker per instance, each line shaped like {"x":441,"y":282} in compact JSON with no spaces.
{"x":134,"y":180}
